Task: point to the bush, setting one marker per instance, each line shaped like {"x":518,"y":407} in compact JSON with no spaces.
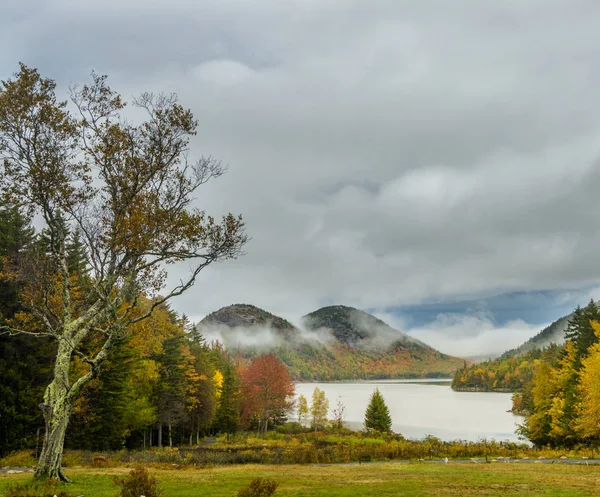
{"x":259,"y":487}
{"x":21,"y":458}
{"x":36,"y":488}
{"x":137,"y":483}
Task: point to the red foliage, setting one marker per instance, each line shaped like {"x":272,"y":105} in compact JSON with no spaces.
{"x":267,"y":390}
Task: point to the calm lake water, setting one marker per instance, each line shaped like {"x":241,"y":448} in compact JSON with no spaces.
{"x":425,"y":407}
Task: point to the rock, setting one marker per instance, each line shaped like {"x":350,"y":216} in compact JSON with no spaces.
{"x":564,"y":457}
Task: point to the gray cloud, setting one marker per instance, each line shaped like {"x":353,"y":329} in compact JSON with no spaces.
{"x":383,"y":153}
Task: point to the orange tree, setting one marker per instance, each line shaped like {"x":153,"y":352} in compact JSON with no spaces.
{"x":267,"y":391}
{"x":127,"y":190}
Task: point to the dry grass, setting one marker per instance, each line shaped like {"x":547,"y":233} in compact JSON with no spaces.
{"x":381,"y":480}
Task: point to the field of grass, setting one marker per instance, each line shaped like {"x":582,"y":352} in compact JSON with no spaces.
{"x":380,"y":479}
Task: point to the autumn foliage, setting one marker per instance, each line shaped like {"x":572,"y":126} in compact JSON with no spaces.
{"x":267,"y":391}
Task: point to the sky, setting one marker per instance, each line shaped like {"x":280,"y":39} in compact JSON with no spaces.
{"x":432,"y":162}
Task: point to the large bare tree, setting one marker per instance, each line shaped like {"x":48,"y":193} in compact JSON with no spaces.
{"x":127,"y":190}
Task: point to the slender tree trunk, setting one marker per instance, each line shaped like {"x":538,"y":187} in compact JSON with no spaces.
{"x":150,"y":440}
{"x":170,"y":438}
{"x":198,"y":435}
{"x":56,"y":409}
{"x":160,"y":434}
{"x":37,"y":442}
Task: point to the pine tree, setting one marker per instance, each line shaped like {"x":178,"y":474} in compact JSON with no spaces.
{"x":171,"y":386}
{"x":580,"y":331}
{"x":228,"y":410}
{"x":377,"y":416}
{"x":102,"y":422}
{"x":25,"y":364}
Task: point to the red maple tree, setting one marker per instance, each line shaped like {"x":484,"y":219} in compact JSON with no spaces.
{"x":267,"y":391}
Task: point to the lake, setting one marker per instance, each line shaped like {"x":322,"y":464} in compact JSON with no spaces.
{"x":425,"y":407}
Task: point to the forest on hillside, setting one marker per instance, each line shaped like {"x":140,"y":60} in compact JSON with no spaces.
{"x":555,"y":387}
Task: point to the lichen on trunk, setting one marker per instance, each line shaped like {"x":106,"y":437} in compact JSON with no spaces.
{"x":56,"y":410}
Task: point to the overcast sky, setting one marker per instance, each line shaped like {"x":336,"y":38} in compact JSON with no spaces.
{"x":433,"y":162}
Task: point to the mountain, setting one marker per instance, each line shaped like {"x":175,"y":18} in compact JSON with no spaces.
{"x":247,"y":316}
{"x":515,"y":368}
{"x":334,"y":343}
{"x":555,"y":333}
{"x":357,"y":328}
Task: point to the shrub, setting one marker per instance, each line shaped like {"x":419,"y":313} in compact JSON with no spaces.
{"x":99,"y":462}
{"x":21,"y":458}
{"x":259,"y":487}
{"x":137,"y":483}
{"x":36,"y":488}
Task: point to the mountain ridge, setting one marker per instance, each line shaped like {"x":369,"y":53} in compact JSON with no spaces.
{"x":334,"y":343}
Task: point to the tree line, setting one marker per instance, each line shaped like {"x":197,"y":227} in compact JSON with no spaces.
{"x":114,"y":198}
{"x":556,"y":388}
{"x":162,"y":385}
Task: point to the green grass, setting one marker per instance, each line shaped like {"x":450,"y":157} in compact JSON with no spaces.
{"x":379,"y":480}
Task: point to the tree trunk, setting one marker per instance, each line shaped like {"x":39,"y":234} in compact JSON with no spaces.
{"x":160,"y":434}
{"x":56,"y":409}
{"x":170,"y":438}
{"x":198,"y":435}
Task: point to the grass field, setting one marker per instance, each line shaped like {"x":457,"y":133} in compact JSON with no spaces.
{"x":386,"y":479}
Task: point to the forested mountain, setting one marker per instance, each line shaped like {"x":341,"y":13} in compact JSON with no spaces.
{"x":357,"y":328}
{"x":555,"y":333}
{"x":516,"y":367}
{"x":335,"y":343}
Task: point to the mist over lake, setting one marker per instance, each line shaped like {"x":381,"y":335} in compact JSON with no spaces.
{"x":425,"y":407}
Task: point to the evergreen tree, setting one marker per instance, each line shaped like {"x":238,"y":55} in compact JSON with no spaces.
{"x":101,"y":421}
{"x":377,"y":416}
{"x":228,"y":409}
{"x":201,"y":400}
{"x":171,"y":387}
{"x":580,"y":331}
{"x":24,"y":362}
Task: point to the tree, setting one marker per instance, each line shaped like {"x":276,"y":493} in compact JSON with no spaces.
{"x":338,"y":414}
{"x":588,"y":421}
{"x":201,"y":401}
{"x":267,"y":391}
{"x":377,"y":415}
{"x":302,"y":406}
{"x":127,"y":189}
{"x":319,"y":409}
{"x":171,"y":387}
{"x":227,"y":417}
{"x":579,"y":330}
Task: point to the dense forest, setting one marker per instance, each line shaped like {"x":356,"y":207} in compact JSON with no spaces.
{"x":163,"y":385}
{"x":556,"y":387}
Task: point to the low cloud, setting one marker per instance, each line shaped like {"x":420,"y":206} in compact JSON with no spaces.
{"x":261,"y":337}
{"x":466,"y":335}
